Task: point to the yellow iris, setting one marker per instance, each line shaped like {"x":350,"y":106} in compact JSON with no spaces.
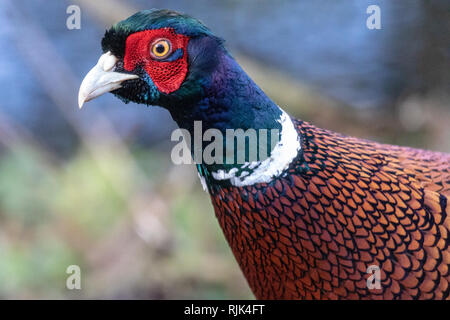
{"x":161,"y":48}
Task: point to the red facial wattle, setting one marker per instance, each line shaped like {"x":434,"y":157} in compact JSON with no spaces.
{"x":166,"y":75}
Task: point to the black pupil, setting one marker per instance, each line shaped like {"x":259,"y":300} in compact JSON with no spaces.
{"x":160,"y":48}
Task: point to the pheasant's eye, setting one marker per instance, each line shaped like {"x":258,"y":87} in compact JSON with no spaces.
{"x":160,"y":49}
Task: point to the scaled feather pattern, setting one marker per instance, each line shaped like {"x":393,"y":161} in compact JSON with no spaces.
{"x":338,"y":208}
{"x":313,"y":234}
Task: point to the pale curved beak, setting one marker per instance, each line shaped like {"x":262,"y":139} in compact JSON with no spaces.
{"x":101,"y":79}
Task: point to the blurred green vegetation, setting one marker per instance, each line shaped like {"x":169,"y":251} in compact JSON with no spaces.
{"x":53,"y":215}
{"x":138,"y":226}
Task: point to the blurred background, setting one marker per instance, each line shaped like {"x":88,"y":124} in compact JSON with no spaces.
{"x":96,"y":187}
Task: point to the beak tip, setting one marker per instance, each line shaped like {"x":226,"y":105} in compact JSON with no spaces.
{"x":81,"y":101}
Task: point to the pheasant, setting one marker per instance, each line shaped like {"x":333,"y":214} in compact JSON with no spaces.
{"x":324,"y":216}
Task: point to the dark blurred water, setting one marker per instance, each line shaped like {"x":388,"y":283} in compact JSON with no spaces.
{"x":323,"y":43}
{"x":326,"y":44}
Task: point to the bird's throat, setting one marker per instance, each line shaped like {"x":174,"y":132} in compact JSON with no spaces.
{"x":237,"y":108}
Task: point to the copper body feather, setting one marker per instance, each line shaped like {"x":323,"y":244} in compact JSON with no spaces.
{"x":313,"y":233}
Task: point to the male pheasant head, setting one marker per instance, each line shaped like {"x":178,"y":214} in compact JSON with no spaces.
{"x":161,"y":57}
{"x":154,"y":57}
